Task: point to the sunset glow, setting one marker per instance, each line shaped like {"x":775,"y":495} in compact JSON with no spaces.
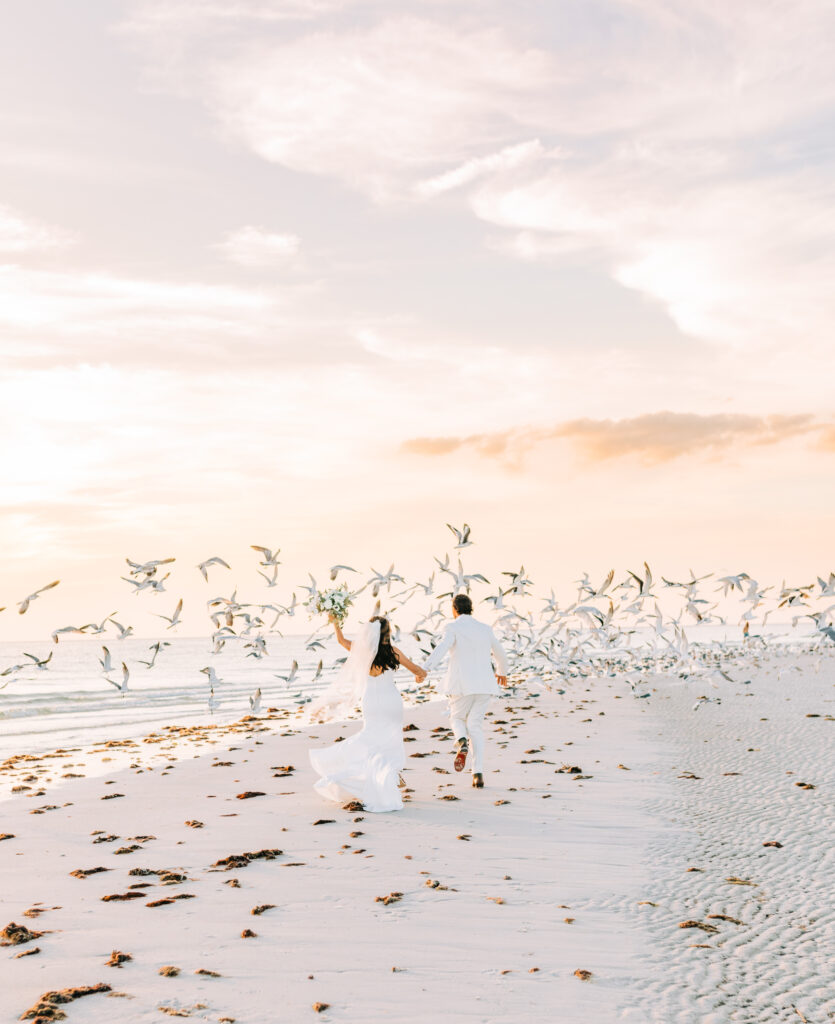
{"x":329,"y":274}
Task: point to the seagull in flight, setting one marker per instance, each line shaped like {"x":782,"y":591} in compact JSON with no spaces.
{"x":384,"y":579}
{"x":156,"y":649}
{"x":463,"y":580}
{"x":172,"y":620}
{"x":427,"y":588}
{"x":67,"y":629}
{"x":687,"y":584}
{"x":40,"y":663}
{"x":271,"y":580}
{"x":123,"y":686}
{"x":462,"y":535}
{"x":518,"y":581}
{"x":157,"y":585}
{"x":732,"y":582}
{"x":270,"y":557}
{"x":587,"y":588}
{"x":644,"y":582}
{"x":258,"y":647}
{"x":23,"y":605}
{"x":827,"y":586}
{"x":147,"y":568}
{"x":215,"y":560}
{"x":294,"y":668}
{"x":123,"y":630}
{"x":210,"y":672}
{"x":335,"y":570}
{"x":255,"y":701}
{"x":98,"y":627}
{"x":312,"y":590}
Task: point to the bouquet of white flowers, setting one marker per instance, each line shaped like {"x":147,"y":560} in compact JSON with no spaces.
{"x":335,"y":601}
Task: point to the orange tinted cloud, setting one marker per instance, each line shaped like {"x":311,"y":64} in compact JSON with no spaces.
{"x":652,"y":437}
{"x":827,"y":439}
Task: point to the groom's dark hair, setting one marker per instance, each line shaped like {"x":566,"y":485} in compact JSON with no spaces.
{"x":462,"y":604}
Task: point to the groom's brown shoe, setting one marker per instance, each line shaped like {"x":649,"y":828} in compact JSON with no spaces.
{"x":478,"y":780}
{"x":460,"y":756}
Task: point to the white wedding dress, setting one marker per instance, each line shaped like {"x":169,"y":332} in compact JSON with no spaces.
{"x":367,"y":765}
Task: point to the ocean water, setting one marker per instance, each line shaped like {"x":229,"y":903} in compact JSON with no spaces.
{"x":71,"y":703}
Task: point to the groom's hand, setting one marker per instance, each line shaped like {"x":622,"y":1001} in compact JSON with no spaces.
{"x":501,"y":680}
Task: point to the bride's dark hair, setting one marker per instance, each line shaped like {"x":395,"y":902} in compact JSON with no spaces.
{"x":385,"y":658}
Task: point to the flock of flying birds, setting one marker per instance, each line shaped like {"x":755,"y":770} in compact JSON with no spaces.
{"x":611,"y":629}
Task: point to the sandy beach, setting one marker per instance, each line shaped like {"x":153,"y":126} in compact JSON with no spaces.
{"x":607,"y":824}
{"x":478,"y":349}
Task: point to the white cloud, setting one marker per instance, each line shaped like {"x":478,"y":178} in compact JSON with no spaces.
{"x":376,"y":106}
{"x":672,"y":149}
{"x":478,"y":167}
{"x":709,"y":204}
{"x":19,"y":234}
{"x":67,"y":302}
{"x":154,"y":16}
{"x":736,"y":261}
{"x":255,"y":247}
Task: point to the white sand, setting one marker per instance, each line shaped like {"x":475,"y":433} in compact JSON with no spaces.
{"x":750,"y":753}
{"x":592,"y":851}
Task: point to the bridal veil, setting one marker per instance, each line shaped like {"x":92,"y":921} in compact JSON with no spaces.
{"x":347,"y":690}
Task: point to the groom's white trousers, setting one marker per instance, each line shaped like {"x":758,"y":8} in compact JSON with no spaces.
{"x":466,"y":713}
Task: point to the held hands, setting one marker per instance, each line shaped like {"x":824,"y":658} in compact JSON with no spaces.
{"x":420,"y":675}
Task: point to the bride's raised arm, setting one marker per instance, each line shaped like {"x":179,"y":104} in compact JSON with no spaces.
{"x":416,"y":670}
{"x":338,"y":630}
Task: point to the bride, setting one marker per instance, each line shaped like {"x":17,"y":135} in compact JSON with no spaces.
{"x":366,"y":766}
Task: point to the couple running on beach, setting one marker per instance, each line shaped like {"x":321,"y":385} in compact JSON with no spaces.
{"x":367,"y":766}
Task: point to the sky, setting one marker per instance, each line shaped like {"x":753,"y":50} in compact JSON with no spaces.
{"x":325,"y":275}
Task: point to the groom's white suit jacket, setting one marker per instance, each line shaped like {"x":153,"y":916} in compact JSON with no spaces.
{"x":469,"y":644}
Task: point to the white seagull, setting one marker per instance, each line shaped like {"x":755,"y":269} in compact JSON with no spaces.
{"x":215,"y":560}
{"x":462,"y":535}
{"x":40,"y":663}
{"x":150,"y":582}
{"x":123,"y":630}
{"x":24,"y":604}
{"x":172,"y":620}
{"x":336,"y":569}
{"x":271,"y":580}
{"x":105,"y":662}
{"x":270,"y":556}
{"x":156,"y":649}
{"x":66,"y":629}
{"x":147,"y":568}
{"x":294,"y":668}
{"x":123,"y":686}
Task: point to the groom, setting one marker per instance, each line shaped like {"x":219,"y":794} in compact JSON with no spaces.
{"x":470,"y":680}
